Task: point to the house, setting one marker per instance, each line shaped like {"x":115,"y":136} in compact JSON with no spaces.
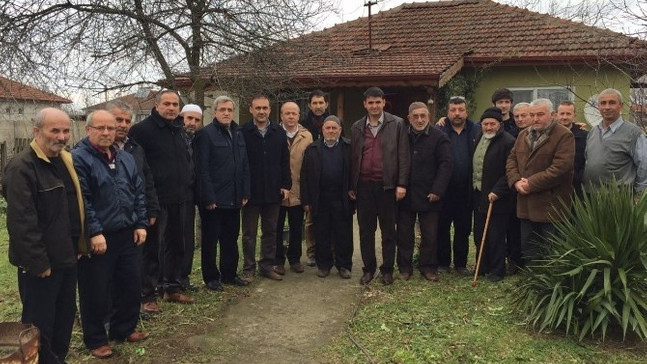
{"x":19,"y":103}
{"x":431,"y":51}
{"x":141,"y":101}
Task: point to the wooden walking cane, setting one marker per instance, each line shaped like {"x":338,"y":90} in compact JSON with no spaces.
{"x":478,"y":261}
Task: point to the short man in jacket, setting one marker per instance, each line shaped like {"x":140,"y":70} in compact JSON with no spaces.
{"x":615,"y":149}
{"x":109,"y":279}
{"x":431,"y":169}
{"x":325,"y":181}
{"x":45,"y":221}
{"x":167,"y":153}
{"x":269,"y":167}
{"x":491,"y":187}
{"x":457,"y":202}
{"x":313,"y":121}
{"x":223,"y":185}
{"x":298,"y":138}
{"x":566,"y":116}
{"x":540,"y":169}
{"x":380,"y":162}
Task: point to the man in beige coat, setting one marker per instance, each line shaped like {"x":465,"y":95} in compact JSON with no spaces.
{"x":298,"y":139}
{"x":540,"y":169}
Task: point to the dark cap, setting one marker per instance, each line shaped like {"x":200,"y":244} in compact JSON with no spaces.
{"x":492,"y":112}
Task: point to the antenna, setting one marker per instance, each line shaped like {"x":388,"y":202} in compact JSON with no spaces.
{"x":369,"y":4}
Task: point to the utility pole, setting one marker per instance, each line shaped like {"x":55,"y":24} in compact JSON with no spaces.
{"x":369,"y":4}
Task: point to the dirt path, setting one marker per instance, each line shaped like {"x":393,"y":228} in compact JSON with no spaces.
{"x":286,"y":321}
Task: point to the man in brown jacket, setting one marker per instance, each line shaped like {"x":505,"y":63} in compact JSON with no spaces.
{"x":540,"y":169}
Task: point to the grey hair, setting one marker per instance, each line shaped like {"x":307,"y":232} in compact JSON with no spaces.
{"x":158,"y":97}
{"x":611,"y":91}
{"x":546,"y":102}
{"x":520,"y":105}
{"x":39,"y":119}
{"x":222,"y":99}
{"x":88,"y":119}
{"x":119,"y":105}
{"x":417,"y":105}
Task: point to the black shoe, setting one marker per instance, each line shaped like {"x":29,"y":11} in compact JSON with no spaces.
{"x":344,"y":273}
{"x":494,"y":278}
{"x":443,"y":269}
{"x":464,"y":272}
{"x":323,"y":273}
{"x":214,"y":286}
{"x":387,"y":279}
{"x":366,"y":278}
{"x":237,"y":281}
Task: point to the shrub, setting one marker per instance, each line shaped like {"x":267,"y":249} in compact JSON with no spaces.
{"x":594,"y":275}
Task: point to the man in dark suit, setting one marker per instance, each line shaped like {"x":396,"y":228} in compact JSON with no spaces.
{"x":431,"y":168}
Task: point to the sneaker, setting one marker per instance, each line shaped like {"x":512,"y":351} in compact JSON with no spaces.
{"x":297,"y":268}
{"x":311,"y":262}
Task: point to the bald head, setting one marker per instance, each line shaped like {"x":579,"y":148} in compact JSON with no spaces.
{"x":290,"y":115}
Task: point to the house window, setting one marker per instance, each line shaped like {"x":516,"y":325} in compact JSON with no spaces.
{"x":555,"y":94}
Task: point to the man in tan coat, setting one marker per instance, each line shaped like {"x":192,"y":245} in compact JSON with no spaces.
{"x":298,"y":139}
{"x":540,"y":169}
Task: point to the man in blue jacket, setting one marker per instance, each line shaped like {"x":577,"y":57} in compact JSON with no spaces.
{"x":116,"y":220}
{"x":223,"y":188}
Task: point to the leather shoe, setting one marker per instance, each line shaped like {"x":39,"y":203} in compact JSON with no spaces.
{"x":214,"y":286}
{"x":178,"y":297}
{"x":387,"y":279}
{"x":366,"y":278}
{"x":405,"y":276}
{"x":443,"y":269}
{"x":494,"y":278}
{"x":248,"y":276}
{"x":323,"y":273}
{"x":237,"y":281}
{"x":344,"y":273}
{"x":271,"y":275}
{"x":279,"y":269}
{"x":150,"y":307}
{"x":102,"y":352}
{"x":137,"y":336}
{"x":297,"y":268}
{"x":430,"y":276}
{"x":464,"y":272}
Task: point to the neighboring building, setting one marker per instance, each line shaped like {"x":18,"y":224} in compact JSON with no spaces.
{"x":18,"y":105}
{"x":473,"y":46}
{"x":141,"y":101}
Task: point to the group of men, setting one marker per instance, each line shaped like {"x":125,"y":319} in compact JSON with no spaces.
{"x":116,"y":215}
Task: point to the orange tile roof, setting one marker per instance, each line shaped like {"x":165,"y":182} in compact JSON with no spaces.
{"x":145,"y":103}
{"x":420,"y":42}
{"x":13,"y":90}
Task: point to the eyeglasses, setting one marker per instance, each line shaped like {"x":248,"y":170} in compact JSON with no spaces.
{"x":110,"y":129}
{"x":457,"y":99}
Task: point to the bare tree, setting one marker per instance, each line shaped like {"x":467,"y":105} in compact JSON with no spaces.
{"x":104,"y":45}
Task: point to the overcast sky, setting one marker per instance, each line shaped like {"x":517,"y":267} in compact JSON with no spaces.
{"x":353,"y":9}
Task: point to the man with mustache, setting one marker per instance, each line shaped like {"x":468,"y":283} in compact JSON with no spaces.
{"x":45,"y":221}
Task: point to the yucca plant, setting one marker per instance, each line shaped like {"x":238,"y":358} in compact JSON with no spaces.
{"x":594,"y":275}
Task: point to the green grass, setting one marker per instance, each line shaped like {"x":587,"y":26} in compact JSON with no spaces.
{"x":450,"y":322}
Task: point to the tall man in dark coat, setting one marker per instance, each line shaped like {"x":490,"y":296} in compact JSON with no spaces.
{"x":269,"y":167}
{"x":540,"y":168}
{"x":457,"y":202}
{"x":380,"y":163}
{"x":223,"y":185}
{"x":491,"y":187}
{"x":325,"y":181}
{"x":431,"y":168}
{"x":161,"y":136}
{"x":317,"y":113}
{"x":45,"y":221}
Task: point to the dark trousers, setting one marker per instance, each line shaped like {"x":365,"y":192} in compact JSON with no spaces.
{"x":189,"y":245}
{"x":376,"y":204}
{"x":310,"y":236}
{"x":333,"y":229}
{"x":457,"y":209}
{"x":513,"y":239}
{"x":269,"y":214}
{"x":494,"y":251}
{"x":295,"y":224}
{"x":50,"y":304}
{"x":219,"y":226}
{"x":533,"y":239}
{"x":428,"y":260}
{"x":109,"y":286}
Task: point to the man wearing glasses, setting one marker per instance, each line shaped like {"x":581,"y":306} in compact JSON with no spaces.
{"x":457,"y":202}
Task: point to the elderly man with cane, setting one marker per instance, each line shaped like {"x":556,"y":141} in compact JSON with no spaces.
{"x":493,"y":199}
